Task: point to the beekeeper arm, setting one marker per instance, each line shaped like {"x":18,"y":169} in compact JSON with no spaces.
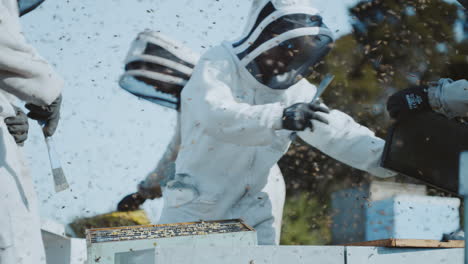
{"x":348,"y":142}
{"x":221,"y":114}
{"x":449,"y":98}
{"x":23,"y":72}
{"x":150,"y":187}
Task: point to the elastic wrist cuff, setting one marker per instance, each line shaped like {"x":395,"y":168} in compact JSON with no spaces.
{"x":433,"y":94}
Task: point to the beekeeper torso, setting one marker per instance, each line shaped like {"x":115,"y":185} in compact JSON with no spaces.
{"x":230,"y":125}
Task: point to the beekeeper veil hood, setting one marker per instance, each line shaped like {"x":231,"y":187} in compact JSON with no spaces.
{"x":157,"y":68}
{"x":283,"y":41}
{"x":26,"y":6}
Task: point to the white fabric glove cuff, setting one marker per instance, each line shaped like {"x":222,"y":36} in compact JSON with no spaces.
{"x":277,"y":117}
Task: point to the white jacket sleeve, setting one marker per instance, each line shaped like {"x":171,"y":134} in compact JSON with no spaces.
{"x":165,"y":166}
{"x":209,"y":92}
{"x":347,"y":141}
{"x":23,"y":73}
{"x":450,"y":98}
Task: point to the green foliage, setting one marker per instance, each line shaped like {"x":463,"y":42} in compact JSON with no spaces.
{"x":395,"y":44}
{"x":408,"y":42}
{"x":305,"y":222}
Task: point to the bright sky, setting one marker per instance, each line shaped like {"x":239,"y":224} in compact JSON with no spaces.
{"x":109,"y":140}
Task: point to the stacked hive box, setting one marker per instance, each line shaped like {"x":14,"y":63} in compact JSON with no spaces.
{"x":136,"y":244}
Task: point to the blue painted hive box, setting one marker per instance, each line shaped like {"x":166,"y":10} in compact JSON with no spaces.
{"x":412,"y":217}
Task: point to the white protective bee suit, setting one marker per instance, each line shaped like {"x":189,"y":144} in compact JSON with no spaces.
{"x":232,"y":137}
{"x":157,"y":69}
{"x":24,"y":75}
{"x":449,"y":97}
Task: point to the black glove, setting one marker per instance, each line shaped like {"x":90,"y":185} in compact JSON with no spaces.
{"x":130,"y":202}
{"x":50,"y":115}
{"x":18,"y":126}
{"x":298,"y":117}
{"x":410,"y":100}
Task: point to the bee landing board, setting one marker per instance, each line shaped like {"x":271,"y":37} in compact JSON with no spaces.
{"x":127,"y":244}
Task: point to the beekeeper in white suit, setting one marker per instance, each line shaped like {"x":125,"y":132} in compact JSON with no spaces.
{"x":26,"y":76}
{"x":238,"y":111}
{"x":157,"y":68}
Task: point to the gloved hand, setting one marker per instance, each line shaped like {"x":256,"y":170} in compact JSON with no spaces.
{"x":130,"y":202}
{"x":410,"y":100}
{"x":50,"y":115}
{"x":298,"y":117}
{"x":18,"y":126}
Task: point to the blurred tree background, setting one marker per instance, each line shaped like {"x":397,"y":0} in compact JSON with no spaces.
{"x":394,"y":44}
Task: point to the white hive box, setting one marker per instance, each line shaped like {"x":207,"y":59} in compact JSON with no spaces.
{"x":381,"y":255}
{"x":349,"y":207}
{"x":252,"y":255}
{"x":136,"y":244}
{"x":412,"y":217}
{"x":59,"y":248}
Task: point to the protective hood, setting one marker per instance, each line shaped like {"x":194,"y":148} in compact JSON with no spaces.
{"x":157,"y":68}
{"x":26,"y":6}
{"x":282,"y":42}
